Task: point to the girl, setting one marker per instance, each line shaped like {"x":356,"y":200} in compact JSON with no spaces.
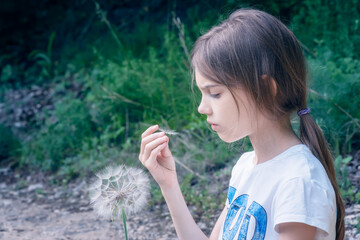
{"x":251,"y":72}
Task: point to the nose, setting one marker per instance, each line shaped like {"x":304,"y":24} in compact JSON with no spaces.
{"x":204,"y":108}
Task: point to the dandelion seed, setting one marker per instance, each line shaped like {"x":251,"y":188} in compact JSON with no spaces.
{"x":119,"y":191}
{"x":168,"y":131}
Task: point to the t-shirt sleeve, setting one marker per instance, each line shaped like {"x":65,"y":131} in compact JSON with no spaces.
{"x":305,"y":201}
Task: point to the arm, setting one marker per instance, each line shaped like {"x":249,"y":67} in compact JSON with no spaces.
{"x":296,"y":231}
{"x":185,"y":226}
{"x":157,"y":158}
{"x":217,"y":228}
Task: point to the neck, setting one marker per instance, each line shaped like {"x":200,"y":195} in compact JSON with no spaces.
{"x":271,"y":138}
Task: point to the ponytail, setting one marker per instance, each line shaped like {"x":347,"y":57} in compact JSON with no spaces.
{"x":312,"y":136}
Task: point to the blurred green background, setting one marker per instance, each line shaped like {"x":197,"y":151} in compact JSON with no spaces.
{"x":81,"y":80}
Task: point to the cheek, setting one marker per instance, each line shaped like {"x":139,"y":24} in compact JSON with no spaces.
{"x":243,"y":122}
{"x":245,"y":112}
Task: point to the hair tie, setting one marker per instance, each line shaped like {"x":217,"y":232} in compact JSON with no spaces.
{"x":303,"y":112}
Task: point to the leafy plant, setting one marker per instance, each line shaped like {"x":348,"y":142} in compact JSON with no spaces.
{"x":64,"y":132}
{"x":44,"y":59}
{"x":9,"y":143}
{"x":196,"y":194}
{"x":347,"y":190}
{"x":331,"y":88}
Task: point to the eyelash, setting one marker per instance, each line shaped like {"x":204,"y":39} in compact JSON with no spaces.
{"x":215,"y":95}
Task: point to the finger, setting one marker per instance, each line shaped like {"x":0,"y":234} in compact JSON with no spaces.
{"x":149,"y":131}
{"x":148,"y":139}
{"x":166,"y":151}
{"x":152,"y":145}
{"x":151,"y":161}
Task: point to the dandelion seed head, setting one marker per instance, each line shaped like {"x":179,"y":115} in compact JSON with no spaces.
{"x":168,"y":131}
{"x":117,"y":188}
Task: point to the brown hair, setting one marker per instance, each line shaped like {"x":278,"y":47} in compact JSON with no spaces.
{"x":251,"y":49}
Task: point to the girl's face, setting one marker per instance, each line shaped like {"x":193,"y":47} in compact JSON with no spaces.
{"x":232,"y":117}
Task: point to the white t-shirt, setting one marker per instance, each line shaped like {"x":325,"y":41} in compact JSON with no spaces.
{"x":291,"y":187}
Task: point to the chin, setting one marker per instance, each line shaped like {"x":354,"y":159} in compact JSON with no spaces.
{"x":230,"y":139}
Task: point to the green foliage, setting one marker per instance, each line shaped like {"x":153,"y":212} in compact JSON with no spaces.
{"x":156,"y":195}
{"x":335,"y":23}
{"x":9,"y":143}
{"x":62,"y":135}
{"x":43,"y":60}
{"x":197,"y":195}
{"x":6,"y":73}
{"x":347,"y":190}
{"x":21,"y":184}
{"x":148,"y":89}
{"x":335,"y":88}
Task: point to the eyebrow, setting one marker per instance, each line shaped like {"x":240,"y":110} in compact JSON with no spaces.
{"x":208,"y":86}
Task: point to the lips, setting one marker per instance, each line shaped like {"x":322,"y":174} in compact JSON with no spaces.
{"x":213,"y":126}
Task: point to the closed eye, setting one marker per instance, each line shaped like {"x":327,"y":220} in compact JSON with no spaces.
{"x":217,"y":95}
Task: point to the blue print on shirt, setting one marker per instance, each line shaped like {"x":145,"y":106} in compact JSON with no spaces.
{"x":239,"y":217}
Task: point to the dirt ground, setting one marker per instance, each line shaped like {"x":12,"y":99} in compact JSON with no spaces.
{"x":31,"y":208}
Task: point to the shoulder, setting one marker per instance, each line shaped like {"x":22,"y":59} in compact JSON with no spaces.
{"x":305,"y":195}
{"x":299,"y":162}
{"x":303,"y":175}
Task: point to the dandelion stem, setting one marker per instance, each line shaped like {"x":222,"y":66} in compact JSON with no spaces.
{"x":124,"y":222}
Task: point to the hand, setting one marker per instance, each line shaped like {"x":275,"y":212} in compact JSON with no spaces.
{"x":156,"y":156}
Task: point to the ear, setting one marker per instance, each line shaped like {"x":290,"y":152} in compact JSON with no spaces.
{"x":273,"y":85}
